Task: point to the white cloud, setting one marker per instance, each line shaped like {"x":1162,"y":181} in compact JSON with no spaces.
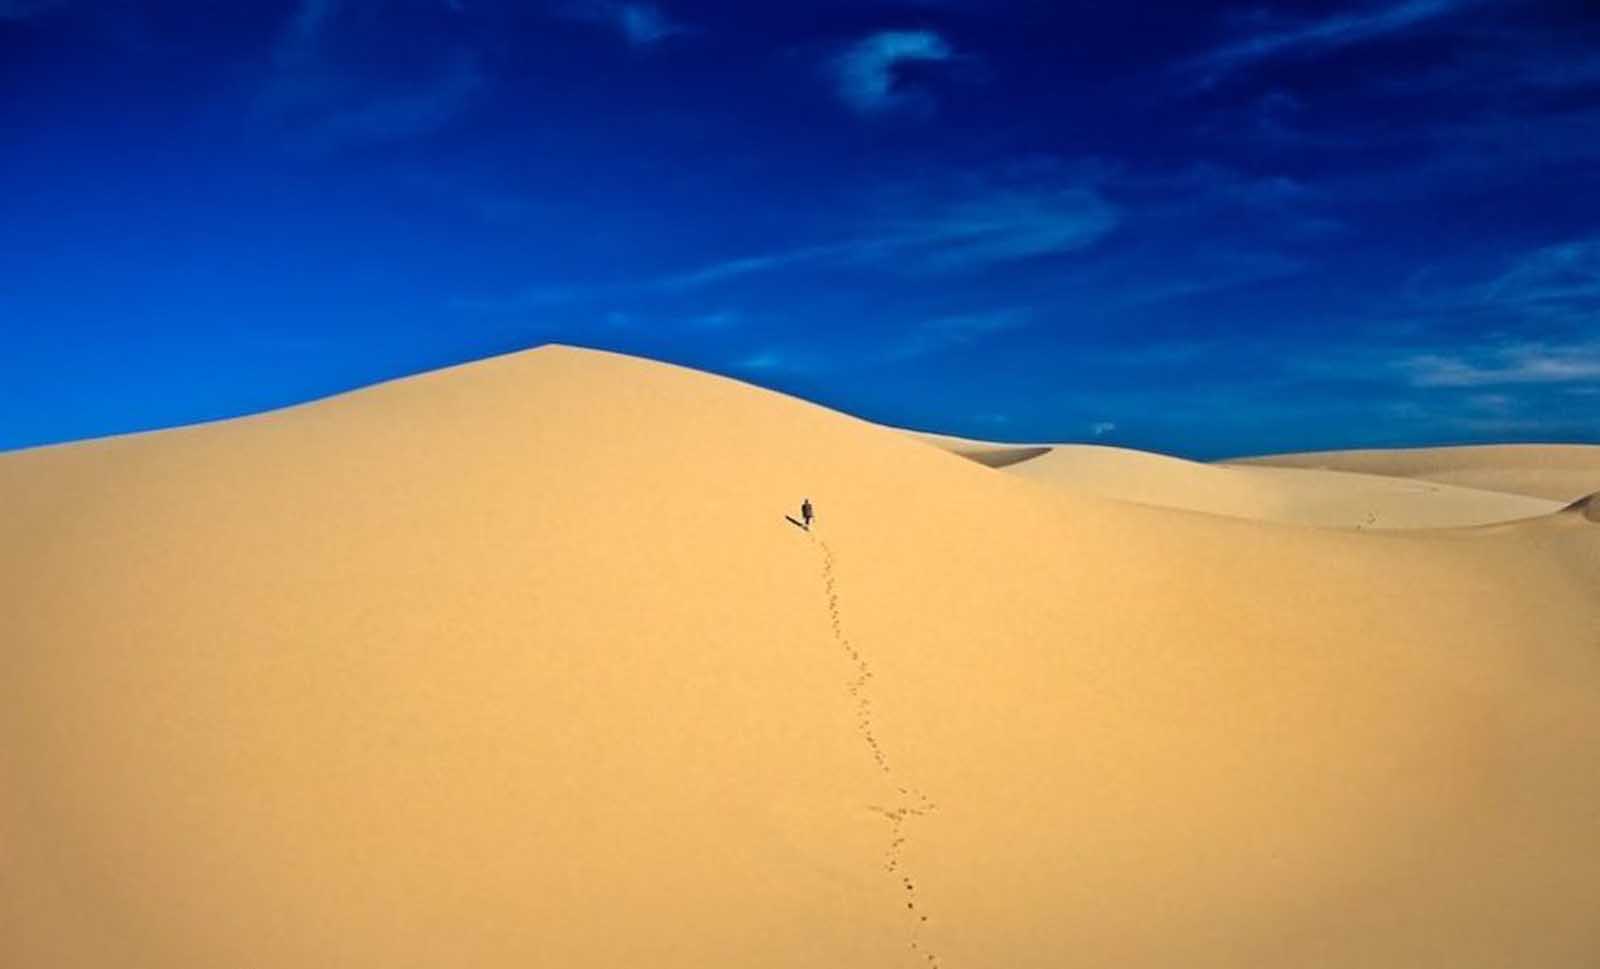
{"x":1102,"y":428}
{"x":1517,"y":364}
{"x":865,"y":73}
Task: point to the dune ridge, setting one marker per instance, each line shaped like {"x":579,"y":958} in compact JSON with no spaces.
{"x":1288,"y":494}
{"x":1559,"y":472}
{"x":519,"y":663}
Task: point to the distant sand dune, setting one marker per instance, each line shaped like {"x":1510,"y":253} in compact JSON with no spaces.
{"x":1289,"y":494}
{"x":1560,"y":472}
{"x":518,"y":664}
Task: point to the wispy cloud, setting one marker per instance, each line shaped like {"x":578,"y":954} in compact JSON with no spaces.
{"x":1515,"y":364}
{"x":897,"y":345}
{"x":995,"y":226}
{"x":1010,"y":224}
{"x":865,"y":74}
{"x":302,"y":37}
{"x":426,"y":107}
{"x":1564,"y":277}
{"x":762,"y":360}
{"x":937,"y":229}
{"x":771,"y":361}
{"x":749,"y":265}
{"x":318,"y":103}
{"x":950,"y":332}
{"x":1550,"y":294}
{"x":1328,"y":33}
{"x":640,"y":24}
{"x":352,"y":115}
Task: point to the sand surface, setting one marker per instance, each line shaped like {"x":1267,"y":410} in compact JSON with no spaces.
{"x":1560,"y":472}
{"x":519,"y":664}
{"x":1339,"y":499}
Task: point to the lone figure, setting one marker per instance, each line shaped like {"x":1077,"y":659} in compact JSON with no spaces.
{"x":805,"y":512}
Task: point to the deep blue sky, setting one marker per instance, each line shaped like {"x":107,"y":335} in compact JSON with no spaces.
{"x":1206,"y":229}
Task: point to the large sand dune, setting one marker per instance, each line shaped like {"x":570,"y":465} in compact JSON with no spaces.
{"x":519,"y":664}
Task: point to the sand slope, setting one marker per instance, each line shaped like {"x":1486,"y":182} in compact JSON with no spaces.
{"x":1560,"y":472}
{"x":519,"y":664}
{"x":1307,"y":496}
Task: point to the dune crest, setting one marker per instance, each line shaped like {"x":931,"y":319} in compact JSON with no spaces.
{"x":520,"y":664}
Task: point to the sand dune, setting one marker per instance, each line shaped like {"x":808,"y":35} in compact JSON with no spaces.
{"x":1292,"y":494}
{"x":519,"y":664}
{"x":1560,"y":472}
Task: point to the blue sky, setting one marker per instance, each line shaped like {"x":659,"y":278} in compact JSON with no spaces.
{"x":1205,"y":229}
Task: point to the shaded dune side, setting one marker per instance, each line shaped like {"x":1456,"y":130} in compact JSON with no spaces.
{"x":983,"y":452}
{"x":519,"y":664}
{"x":1559,"y":472}
{"x":1588,"y":508}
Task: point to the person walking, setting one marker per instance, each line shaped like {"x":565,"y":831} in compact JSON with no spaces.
{"x":805,"y":512}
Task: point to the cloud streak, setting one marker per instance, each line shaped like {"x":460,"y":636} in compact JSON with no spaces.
{"x":1518,"y":364}
{"x":319,"y":104}
{"x":995,"y":227}
{"x":980,"y":228}
{"x":950,"y":332}
{"x":865,"y":74}
{"x":1329,"y":33}
{"x":1559,"y":277}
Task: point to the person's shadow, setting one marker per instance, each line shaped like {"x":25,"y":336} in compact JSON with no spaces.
{"x":798,"y":524}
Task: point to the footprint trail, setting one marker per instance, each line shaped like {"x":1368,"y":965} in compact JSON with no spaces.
{"x":912,"y":803}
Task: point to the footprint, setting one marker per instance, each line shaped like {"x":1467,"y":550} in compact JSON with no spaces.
{"x":899,"y":815}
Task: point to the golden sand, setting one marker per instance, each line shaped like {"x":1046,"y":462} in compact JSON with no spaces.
{"x":519,"y":664}
{"x":1561,"y":472}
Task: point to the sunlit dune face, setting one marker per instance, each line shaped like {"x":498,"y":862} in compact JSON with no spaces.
{"x":520,"y":664}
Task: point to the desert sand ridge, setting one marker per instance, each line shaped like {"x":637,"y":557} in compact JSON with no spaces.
{"x":1298,"y":495}
{"x":1560,"y":472}
{"x":519,"y":663}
